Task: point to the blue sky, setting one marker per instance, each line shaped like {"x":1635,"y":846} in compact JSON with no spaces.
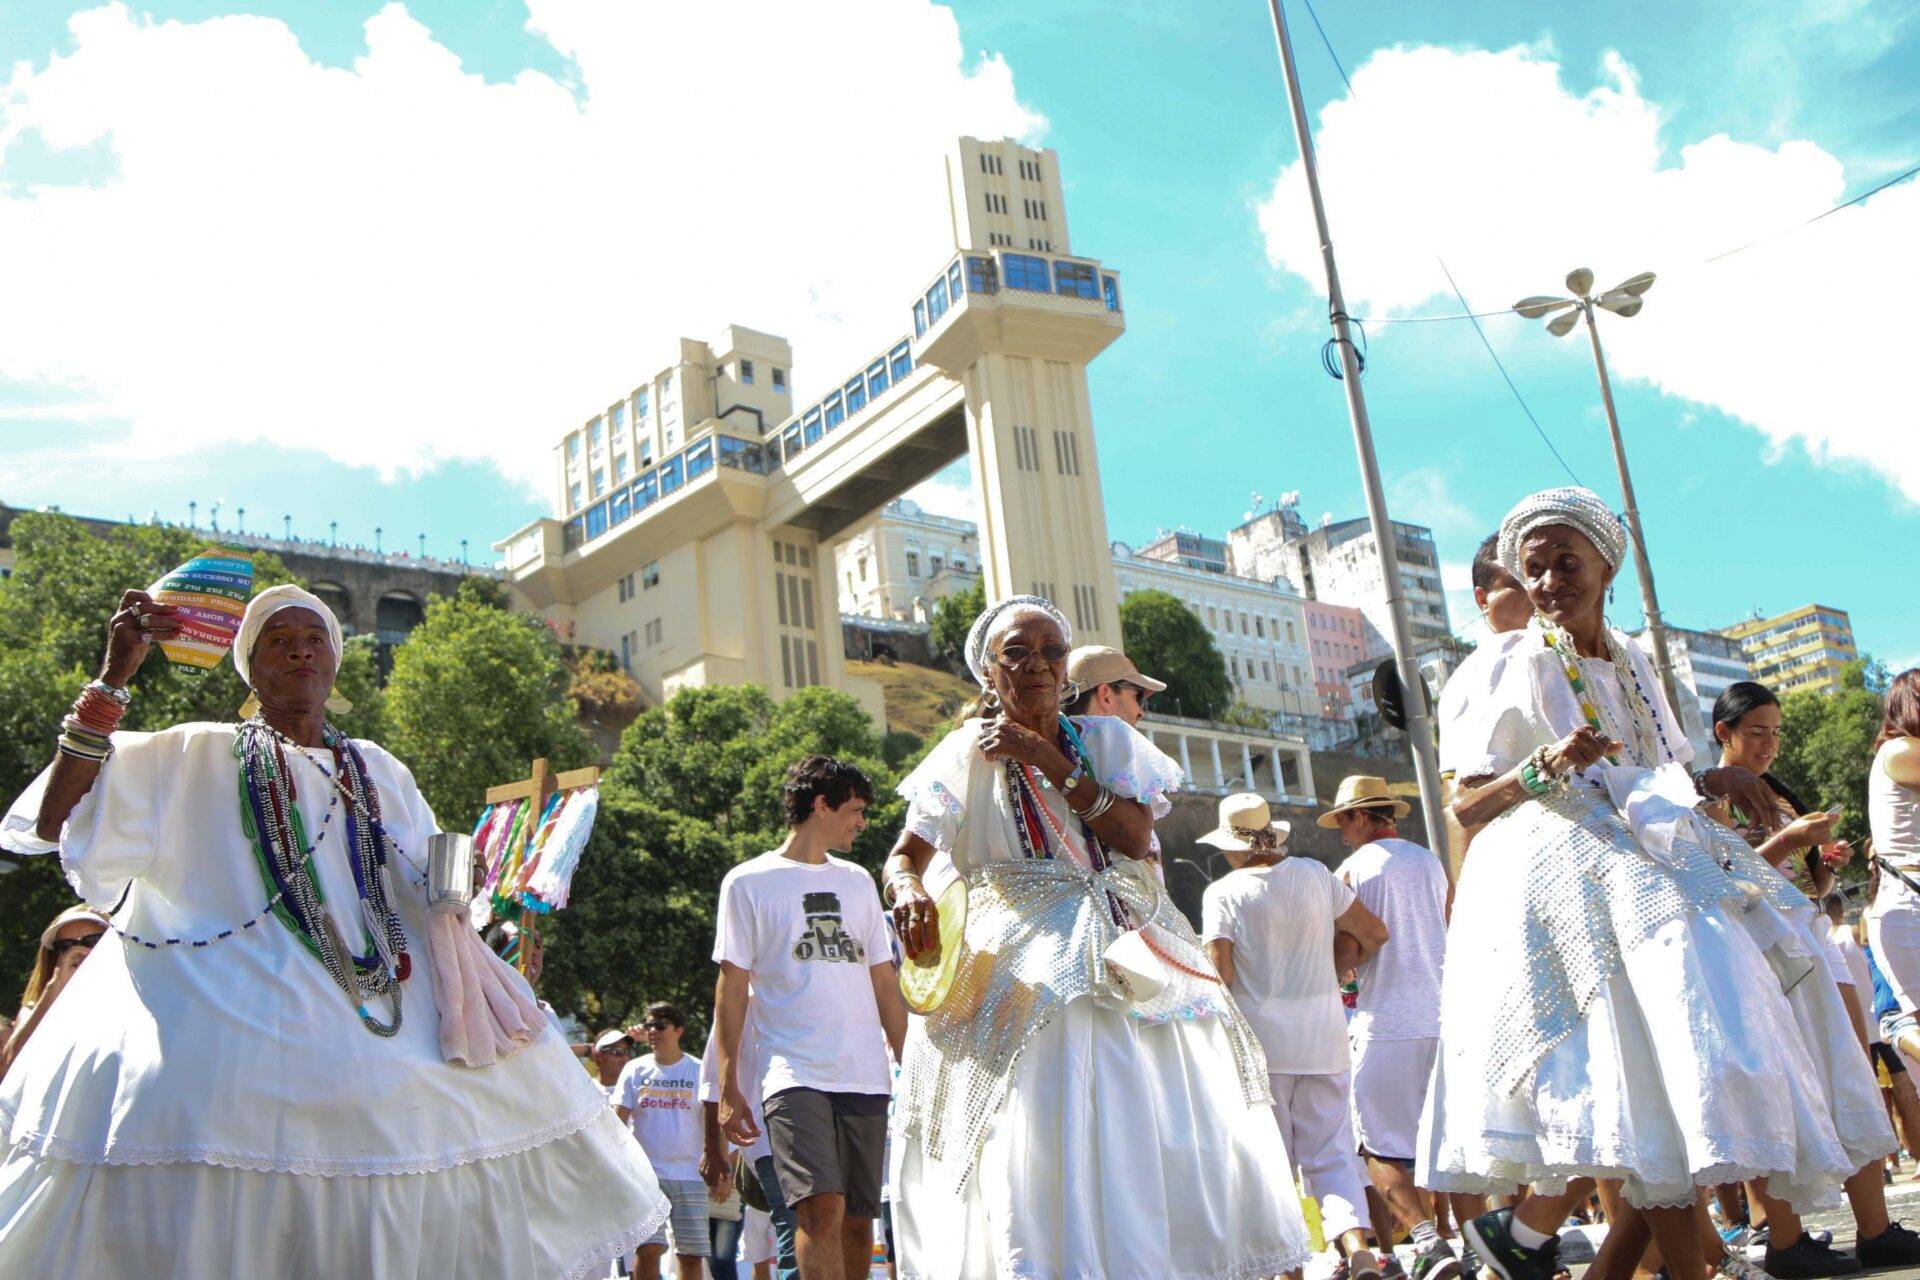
{"x":1762,"y":397}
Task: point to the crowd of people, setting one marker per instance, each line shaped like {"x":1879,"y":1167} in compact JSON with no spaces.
{"x":1626,"y":984}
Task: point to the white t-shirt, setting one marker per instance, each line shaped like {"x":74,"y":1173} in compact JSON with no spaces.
{"x":1280,"y":922}
{"x":808,"y":933}
{"x":746,"y":1067}
{"x":1405,"y":886}
{"x":663,"y":1105}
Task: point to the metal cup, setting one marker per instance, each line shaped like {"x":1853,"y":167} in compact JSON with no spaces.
{"x":449,"y":872}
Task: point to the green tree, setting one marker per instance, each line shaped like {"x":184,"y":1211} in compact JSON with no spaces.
{"x":694,"y":788}
{"x":952,"y":618}
{"x":66,"y":583}
{"x":1167,"y":640}
{"x":475,"y":695}
{"x":1826,"y":746}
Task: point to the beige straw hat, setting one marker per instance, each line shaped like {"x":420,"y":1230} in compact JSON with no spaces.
{"x":1361,"y":791}
{"x":1241,"y":816}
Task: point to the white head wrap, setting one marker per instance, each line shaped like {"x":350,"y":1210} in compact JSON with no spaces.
{"x":264,"y":606}
{"x":1579,"y":509}
{"x":983,"y":628}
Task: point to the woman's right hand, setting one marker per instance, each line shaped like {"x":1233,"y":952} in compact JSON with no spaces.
{"x":915,"y":917}
{"x":131,"y":633}
{"x":1807,"y":831}
{"x":1582,"y":747}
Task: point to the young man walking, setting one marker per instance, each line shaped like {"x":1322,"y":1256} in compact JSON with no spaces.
{"x":1274,"y":928}
{"x":1395,"y":1032}
{"x":804,"y":932}
{"x":659,"y":1098}
{"x":611,"y":1053}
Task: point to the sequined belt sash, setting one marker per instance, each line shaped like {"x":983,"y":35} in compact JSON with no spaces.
{"x":1037,"y":930}
{"x":1592,"y":893}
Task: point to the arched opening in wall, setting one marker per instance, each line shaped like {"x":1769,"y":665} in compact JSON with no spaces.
{"x":396,"y":615}
{"x":336,"y":598}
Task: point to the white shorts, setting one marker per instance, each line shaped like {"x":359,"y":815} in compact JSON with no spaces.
{"x":757,"y":1244}
{"x":1836,"y":963}
{"x":1389,"y":1090}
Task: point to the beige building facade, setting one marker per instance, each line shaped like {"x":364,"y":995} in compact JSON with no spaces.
{"x":695,"y":511}
{"x":905,"y":561}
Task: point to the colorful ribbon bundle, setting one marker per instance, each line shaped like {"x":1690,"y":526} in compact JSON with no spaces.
{"x":211,"y":592}
{"x":531,"y":857}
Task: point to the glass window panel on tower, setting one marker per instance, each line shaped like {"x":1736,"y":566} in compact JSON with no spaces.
{"x":1075,"y":279}
{"x":876,"y":378}
{"x":900,"y":361}
{"x":1025,"y":272}
{"x":856,"y":390}
{"x":834,"y":411}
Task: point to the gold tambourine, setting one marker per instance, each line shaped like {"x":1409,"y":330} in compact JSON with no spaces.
{"x":927,"y":979}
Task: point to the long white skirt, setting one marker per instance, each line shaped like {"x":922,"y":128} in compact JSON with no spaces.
{"x":1845,"y":1072}
{"x":549,"y":1212}
{"x":1688,"y":1069}
{"x":1124,"y":1151}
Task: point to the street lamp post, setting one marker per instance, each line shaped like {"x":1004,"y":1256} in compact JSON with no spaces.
{"x":1624,"y":300}
{"x":1420,"y":732}
{"x":377,"y":548}
{"x":286,"y":528}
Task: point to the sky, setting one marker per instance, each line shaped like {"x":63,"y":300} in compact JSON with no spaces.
{"x":356,"y":266}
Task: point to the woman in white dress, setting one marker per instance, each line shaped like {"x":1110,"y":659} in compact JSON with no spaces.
{"x":1893,"y":815}
{"x":1614,"y":1001}
{"x":248,"y":1079}
{"x":1086,"y":1103}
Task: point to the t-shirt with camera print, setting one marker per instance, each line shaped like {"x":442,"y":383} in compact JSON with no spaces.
{"x":808,"y":933}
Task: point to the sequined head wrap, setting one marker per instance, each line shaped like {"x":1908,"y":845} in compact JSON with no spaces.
{"x":1579,"y":509}
{"x":993,"y":616}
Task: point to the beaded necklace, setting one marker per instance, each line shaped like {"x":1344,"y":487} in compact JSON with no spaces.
{"x":1643,"y":717}
{"x":1039,"y":832}
{"x":270,"y":816}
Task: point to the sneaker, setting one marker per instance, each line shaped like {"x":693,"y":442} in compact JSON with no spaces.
{"x":1821,"y":1234}
{"x":1809,"y":1259}
{"x":1436,"y":1262}
{"x":1734,"y":1266}
{"x":1469,"y":1261}
{"x":1491,"y":1235}
{"x":1390,"y":1268}
{"x":1894,"y":1247}
{"x":1361,"y":1264}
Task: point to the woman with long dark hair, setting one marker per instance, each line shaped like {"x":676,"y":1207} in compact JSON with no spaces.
{"x":1893,"y":813}
{"x":1747,"y":725}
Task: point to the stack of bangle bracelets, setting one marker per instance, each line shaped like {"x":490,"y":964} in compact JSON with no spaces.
{"x":87,"y":731}
{"x":1537,"y":776}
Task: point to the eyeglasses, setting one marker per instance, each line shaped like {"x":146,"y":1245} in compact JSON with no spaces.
{"x":64,"y":945}
{"x":1015,"y":656}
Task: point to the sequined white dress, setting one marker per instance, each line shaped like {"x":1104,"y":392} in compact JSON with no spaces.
{"x":1614,"y":1001}
{"x":1122,"y":1147}
{"x":220,"y":1111}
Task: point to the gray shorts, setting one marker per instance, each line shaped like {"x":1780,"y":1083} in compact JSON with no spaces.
{"x":829,"y":1144}
{"x":688,"y":1222}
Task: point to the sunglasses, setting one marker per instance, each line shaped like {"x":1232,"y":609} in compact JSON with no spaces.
{"x":657,"y":1024}
{"x":1141,"y":694}
{"x":624,"y":1049}
{"x":1015,"y":656}
{"x":65,"y":945}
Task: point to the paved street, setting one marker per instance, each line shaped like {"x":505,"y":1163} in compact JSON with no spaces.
{"x":1903,"y":1200}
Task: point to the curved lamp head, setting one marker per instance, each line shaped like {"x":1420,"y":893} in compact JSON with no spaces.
{"x":1621,"y":304}
{"x":1541,"y":305}
{"x":1561,"y":325}
{"x":1634,"y":286}
{"x":1579,"y":282}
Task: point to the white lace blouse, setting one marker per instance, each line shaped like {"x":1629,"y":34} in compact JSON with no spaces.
{"x":957,"y":799}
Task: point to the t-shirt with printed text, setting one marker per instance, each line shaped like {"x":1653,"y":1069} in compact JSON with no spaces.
{"x":663,"y":1105}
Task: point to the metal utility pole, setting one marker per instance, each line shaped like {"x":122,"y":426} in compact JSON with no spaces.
{"x":1649,"y":601}
{"x":1426,"y":762}
{"x":1625,"y":300}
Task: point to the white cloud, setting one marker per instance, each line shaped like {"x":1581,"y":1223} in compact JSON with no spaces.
{"x":399,"y":262}
{"x":1490,"y":159}
{"x":948,"y":494}
{"x":1425,"y":496}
